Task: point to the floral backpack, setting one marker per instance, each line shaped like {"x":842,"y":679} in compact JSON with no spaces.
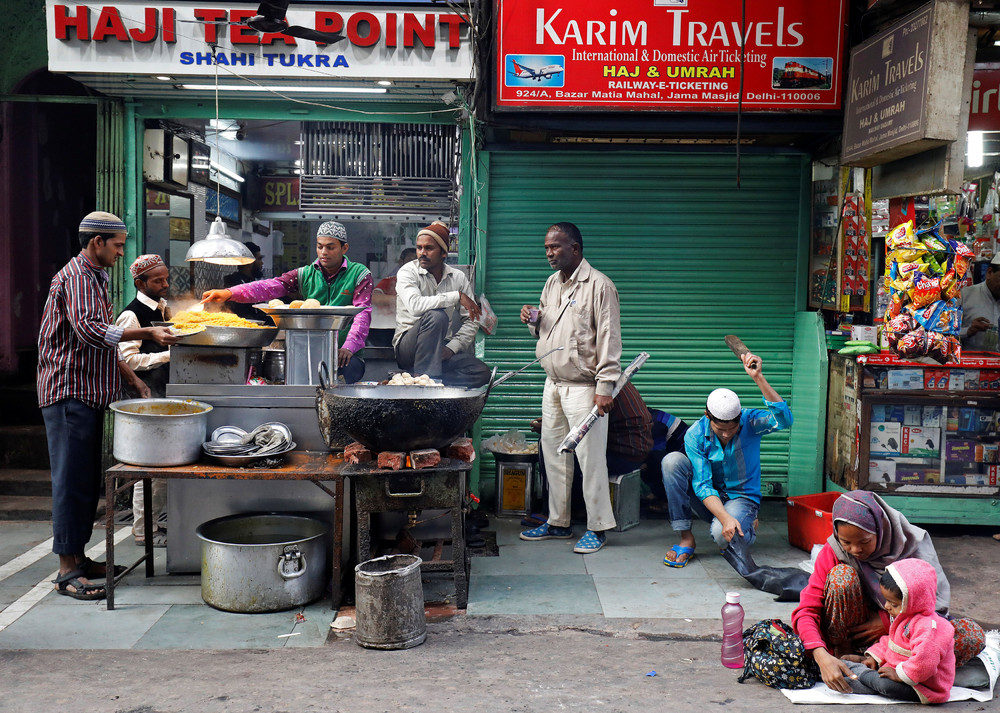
{"x":775,"y":656}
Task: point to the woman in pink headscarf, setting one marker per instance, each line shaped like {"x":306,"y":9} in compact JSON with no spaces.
{"x":841,"y":611}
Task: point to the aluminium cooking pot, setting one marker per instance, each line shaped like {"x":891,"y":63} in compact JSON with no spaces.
{"x":263,"y":562}
{"x":159,"y":432}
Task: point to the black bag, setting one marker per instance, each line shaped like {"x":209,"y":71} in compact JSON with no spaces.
{"x":775,"y":656}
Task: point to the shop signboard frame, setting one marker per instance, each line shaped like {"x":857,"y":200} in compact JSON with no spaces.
{"x":669,"y":55}
{"x":902,"y":97}
{"x":150,"y":38}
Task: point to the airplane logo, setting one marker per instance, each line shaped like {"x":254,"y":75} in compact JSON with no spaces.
{"x":550,"y":70}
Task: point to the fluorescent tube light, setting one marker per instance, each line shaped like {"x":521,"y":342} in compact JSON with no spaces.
{"x":226,"y":172}
{"x":975,"y":148}
{"x":285,"y":89}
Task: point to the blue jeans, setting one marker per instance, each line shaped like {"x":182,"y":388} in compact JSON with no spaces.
{"x":73,"y":430}
{"x":682,"y":502}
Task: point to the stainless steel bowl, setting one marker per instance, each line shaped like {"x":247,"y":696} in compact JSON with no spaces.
{"x":316,"y":318}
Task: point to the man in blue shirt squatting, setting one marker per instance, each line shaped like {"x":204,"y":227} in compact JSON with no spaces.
{"x":718,"y":475}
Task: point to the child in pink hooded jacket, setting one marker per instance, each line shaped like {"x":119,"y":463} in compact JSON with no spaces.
{"x":916,"y":660}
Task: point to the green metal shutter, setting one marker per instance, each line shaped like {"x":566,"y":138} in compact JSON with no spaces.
{"x":693,"y":260}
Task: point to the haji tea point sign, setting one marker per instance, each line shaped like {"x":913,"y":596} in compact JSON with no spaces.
{"x":669,"y":54}
{"x":157,"y":38}
{"x":904,"y":91}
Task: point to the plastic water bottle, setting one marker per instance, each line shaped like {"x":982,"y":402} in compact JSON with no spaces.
{"x":732,"y":631}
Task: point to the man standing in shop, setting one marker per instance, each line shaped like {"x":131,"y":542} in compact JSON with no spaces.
{"x":151,"y":363}
{"x":333,"y":280}
{"x":981,"y":311}
{"x":436,"y":315}
{"x":578,"y":309}
{"x":79,"y":374}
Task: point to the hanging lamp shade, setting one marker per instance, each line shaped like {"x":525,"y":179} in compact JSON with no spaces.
{"x":218,"y":248}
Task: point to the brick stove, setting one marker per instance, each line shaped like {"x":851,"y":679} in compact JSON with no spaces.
{"x":461,"y":450}
{"x":396,"y":481}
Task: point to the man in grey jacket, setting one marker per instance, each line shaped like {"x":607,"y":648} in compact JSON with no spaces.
{"x":579,"y":310}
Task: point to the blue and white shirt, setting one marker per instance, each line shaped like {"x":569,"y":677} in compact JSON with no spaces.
{"x":733,"y":469}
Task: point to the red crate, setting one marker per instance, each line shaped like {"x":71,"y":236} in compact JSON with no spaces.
{"x":810,"y":519}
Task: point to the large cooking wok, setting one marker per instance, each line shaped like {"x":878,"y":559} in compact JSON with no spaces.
{"x":399,"y":418}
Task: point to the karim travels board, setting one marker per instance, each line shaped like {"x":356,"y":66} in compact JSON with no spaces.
{"x":669,"y":54}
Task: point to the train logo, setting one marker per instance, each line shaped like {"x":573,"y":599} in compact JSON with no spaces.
{"x":802,"y":73}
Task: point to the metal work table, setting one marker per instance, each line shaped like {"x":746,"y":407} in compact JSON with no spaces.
{"x":442,"y":486}
{"x":315,"y":466}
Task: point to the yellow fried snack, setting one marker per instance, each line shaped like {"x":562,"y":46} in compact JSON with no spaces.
{"x":310,"y":304}
{"x":295,"y":304}
{"x":275,"y":303}
{"x":212,"y":319}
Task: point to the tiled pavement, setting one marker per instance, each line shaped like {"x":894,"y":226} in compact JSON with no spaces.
{"x":625,"y":580}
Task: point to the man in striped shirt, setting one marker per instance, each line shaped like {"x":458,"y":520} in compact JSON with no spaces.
{"x":79,"y":374}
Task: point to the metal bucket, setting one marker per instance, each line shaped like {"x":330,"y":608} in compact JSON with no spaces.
{"x":263,"y":563}
{"x":159,"y":432}
{"x":389,"y":603}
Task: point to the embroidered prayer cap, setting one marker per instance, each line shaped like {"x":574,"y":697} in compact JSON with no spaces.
{"x":996,"y":260}
{"x":723,"y":405}
{"x":145,"y":263}
{"x":438,"y":231}
{"x":332,"y":229}
{"x":101,"y":222}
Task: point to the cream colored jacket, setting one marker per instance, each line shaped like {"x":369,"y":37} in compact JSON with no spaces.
{"x":582,"y":315}
{"x":417,"y":292}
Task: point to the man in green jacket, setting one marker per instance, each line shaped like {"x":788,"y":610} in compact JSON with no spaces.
{"x":333,"y":280}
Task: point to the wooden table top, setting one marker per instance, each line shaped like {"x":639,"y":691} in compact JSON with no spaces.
{"x":297,"y":465}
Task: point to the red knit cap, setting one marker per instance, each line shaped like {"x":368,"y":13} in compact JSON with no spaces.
{"x":438,"y":231}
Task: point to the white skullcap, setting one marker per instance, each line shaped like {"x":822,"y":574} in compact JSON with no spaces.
{"x":723,"y":405}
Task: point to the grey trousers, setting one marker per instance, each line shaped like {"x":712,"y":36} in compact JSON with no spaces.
{"x":870,"y":682}
{"x":419,"y":352}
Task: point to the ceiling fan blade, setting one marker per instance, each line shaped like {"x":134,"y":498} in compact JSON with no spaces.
{"x":274,"y":9}
{"x":307,"y":33}
{"x":263,"y":23}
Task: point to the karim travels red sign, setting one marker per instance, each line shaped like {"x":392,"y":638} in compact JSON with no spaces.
{"x":670,"y":54}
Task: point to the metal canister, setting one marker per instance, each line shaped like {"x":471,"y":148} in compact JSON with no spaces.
{"x":274,"y":365}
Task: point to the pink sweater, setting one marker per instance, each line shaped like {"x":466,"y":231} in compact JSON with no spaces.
{"x":809,"y":613}
{"x":921,"y":643}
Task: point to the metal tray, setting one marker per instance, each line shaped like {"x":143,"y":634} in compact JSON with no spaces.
{"x":226,"y":336}
{"x":316,"y":318}
{"x":240,"y":461}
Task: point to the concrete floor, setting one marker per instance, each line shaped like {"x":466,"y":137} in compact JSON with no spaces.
{"x":529,"y":584}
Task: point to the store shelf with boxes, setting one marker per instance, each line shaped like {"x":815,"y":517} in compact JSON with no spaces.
{"x":924,"y":436}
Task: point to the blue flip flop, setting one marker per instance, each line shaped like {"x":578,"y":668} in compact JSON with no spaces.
{"x":680,"y":550}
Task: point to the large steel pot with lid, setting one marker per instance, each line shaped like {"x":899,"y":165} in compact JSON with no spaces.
{"x":159,"y":432}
